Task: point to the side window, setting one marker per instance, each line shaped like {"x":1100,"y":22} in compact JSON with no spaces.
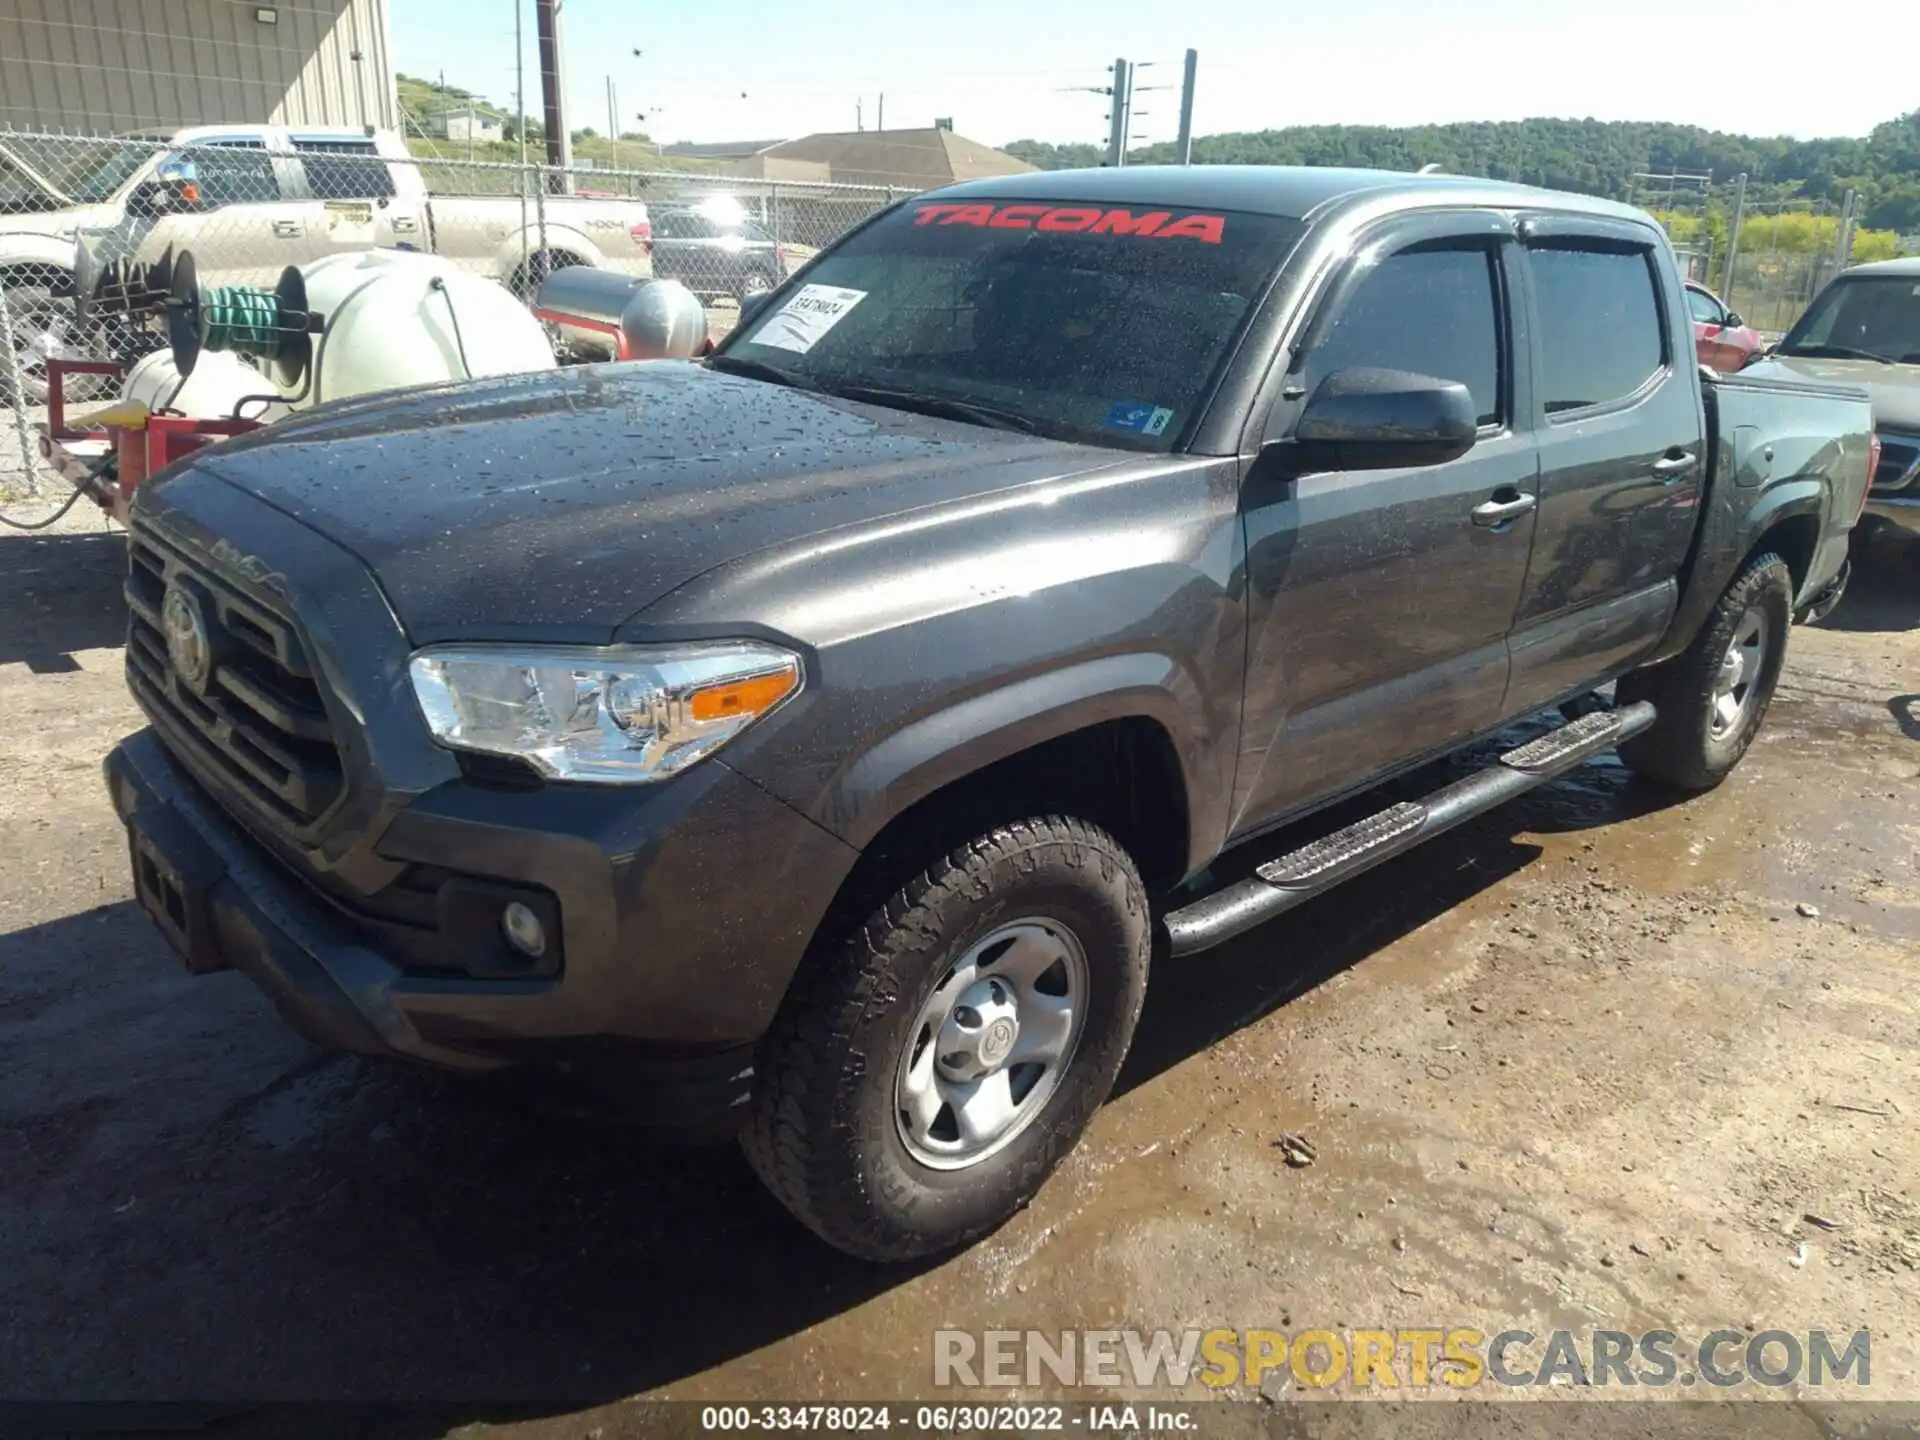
{"x":233,"y":173}
{"x":344,"y":170}
{"x":1706,"y":310}
{"x":675,"y":225}
{"x":1432,"y":310}
{"x":1600,"y":333}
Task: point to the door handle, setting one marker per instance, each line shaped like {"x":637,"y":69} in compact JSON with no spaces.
{"x":1491,"y":514}
{"x":403,"y":224}
{"x":287,"y":229}
{"x":1673,"y":464}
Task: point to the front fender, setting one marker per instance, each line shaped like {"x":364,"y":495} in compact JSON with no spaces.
{"x":54,"y":252}
{"x":937,"y":750}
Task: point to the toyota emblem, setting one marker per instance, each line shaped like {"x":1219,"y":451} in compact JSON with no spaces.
{"x":188,"y":646}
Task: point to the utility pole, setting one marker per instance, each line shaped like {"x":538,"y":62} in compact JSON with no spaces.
{"x":1185,"y":146}
{"x":1843,"y":241}
{"x":859,"y":115}
{"x":520,"y":93}
{"x":880,"y":119}
{"x":1122,"y":103}
{"x":546,"y":17}
{"x":1733,"y":237}
{"x":613,"y":122}
{"x":520,"y":105}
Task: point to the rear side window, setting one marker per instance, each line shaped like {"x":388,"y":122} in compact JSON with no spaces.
{"x":1600,"y":332}
{"x":344,"y":170}
{"x":1432,"y":311}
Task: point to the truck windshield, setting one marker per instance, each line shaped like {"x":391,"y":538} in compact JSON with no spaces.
{"x":1078,"y":320}
{"x":88,"y":171}
{"x":1868,"y":317}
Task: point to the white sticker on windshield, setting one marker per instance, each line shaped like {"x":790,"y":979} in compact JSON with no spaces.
{"x":800,"y":324}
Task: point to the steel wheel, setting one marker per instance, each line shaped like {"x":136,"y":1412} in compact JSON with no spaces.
{"x":1739,"y":671}
{"x":991,"y":1044}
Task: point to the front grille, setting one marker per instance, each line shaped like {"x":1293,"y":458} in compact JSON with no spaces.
{"x":1899,"y":461}
{"x":258,"y":722}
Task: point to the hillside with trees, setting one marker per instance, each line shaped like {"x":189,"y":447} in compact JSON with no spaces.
{"x":1593,"y":157}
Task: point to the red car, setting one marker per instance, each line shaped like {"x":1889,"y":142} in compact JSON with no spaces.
{"x":1720,"y":337}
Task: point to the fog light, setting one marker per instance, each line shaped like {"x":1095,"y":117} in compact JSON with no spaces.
{"x":523,"y":930}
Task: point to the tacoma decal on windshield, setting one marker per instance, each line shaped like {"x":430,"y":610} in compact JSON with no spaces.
{"x":1068,"y":219}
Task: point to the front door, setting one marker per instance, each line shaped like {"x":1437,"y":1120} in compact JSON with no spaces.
{"x":241,"y":227}
{"x":1379,"y":602}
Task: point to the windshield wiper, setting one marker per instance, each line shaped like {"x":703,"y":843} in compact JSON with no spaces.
{"x":1837,"y":352}
{"x":761,"y":370}
{"x":937,"y":405}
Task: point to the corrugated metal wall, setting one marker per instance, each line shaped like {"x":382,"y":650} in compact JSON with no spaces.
{"x":102,"y":65}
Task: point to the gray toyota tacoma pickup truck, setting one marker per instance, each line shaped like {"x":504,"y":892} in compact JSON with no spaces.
{"x":821,"y":740}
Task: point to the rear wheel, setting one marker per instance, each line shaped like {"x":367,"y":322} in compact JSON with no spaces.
{"x":1713,"y":696}
{"x":928,"y":1072}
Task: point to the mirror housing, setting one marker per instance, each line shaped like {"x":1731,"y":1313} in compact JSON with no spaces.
{"x":153,"y":198}
{"x":1367,"y":419}
{"x":1733,"y":321}
{"x":752,"y":306}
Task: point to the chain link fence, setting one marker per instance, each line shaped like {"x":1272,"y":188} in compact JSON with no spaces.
{"x":1785,"y":254}
{"x":81,"y":211}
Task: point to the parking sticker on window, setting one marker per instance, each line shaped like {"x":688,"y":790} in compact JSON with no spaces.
{"x":800,"y":324}
{"x":1147,"y":419}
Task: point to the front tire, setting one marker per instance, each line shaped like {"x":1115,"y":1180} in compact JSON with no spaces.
{"x":929,"y":1070}
{"x":1713,"y":696}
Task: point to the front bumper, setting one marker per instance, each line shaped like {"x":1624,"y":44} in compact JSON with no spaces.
{"x":664,"y":988}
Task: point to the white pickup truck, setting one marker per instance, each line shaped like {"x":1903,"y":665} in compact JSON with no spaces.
{"x":249,"y":200}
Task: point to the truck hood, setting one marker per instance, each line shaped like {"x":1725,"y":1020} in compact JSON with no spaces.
{"x":61,"y":224}
{"x":1893,"y":389}
{"x":558,"y":504}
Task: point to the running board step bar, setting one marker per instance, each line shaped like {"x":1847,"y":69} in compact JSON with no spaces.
{"x":1298,"y":876}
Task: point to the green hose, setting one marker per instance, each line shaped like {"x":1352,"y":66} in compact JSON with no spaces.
{"x":244,"y":320}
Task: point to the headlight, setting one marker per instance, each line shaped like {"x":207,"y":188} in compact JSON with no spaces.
{"x":612,"y":715}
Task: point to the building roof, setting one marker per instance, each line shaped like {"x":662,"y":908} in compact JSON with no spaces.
{"x":909,"y":159}
{"x":721,"y":149}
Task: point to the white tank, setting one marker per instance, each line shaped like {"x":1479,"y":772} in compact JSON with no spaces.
{"x":218,"y":383}
{"x":396,"y":318}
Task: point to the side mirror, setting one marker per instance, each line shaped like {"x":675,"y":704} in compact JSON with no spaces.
{"x":753,"y":305}
{"x":1733,"y":320}
{"x":1366,"y":419}
{"x":153,"y":198}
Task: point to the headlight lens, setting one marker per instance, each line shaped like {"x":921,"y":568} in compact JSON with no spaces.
{"x":611,"y":715}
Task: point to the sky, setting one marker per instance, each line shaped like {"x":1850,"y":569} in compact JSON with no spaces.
{"x":713,"y":70}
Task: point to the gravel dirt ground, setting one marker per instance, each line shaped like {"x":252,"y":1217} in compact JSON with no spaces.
{"x":1593,"y":1061}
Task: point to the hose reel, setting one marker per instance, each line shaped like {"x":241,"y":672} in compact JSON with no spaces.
{"x":273,"y":325}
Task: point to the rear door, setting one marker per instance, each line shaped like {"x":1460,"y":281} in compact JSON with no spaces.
{"x":1618,"y":410}
{"x":1380,"y":601}
{"x":689,"y":247}
{"x":359,"y":205}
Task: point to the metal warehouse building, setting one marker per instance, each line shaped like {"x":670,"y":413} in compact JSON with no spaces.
{"x":104,"y":65}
